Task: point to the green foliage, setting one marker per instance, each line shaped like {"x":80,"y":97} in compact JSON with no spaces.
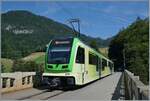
{"x":15,"y":46}
{"x":40,"y":59}
{"x":134,"y":40}
{"x":26,"y":66}
{"x":104,"y":51}
{"x":94,"y":45}
{"x":6,"y":65}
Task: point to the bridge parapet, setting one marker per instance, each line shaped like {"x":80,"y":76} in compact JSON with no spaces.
{"x":134,"y":88}
{"x":16,"y":81}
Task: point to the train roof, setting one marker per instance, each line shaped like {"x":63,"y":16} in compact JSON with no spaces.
{"x":98,"y":53}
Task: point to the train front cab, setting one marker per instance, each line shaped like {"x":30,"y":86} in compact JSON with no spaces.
{"x":58,"y":65}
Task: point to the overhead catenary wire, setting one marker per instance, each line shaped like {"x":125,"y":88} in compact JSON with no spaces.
{"x":71,"y":15}
{"x":65,"y":10}
{"x":72,"y":19}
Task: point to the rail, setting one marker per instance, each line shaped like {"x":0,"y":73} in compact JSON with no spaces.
{"x":134,"y":88}
{"x":16,"y":81}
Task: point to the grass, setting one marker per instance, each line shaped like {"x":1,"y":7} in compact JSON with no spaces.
{"x":38,"y":57}
{"x":6,"y":64}
{"x":104,"y":51}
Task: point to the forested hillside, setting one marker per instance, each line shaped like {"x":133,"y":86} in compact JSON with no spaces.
{"x":24,"y":33}
{"x":134,"y":43}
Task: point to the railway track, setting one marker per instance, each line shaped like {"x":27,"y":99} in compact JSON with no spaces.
{"x":58,"y":93}
{"x":47,"y":94}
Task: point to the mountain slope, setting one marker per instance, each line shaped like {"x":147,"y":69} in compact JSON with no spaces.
{"x":24,"y":32}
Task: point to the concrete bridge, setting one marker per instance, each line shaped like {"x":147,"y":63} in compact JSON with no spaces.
{"x":16,"y":81}
{"x":118,"y":86}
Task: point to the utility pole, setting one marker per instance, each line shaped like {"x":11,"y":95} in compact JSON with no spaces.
{"x":72,"y":21}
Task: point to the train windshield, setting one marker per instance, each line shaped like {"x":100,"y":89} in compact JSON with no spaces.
{"x":59,"y":51}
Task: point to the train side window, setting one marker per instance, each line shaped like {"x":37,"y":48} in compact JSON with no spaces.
{"x":80,"y":57}
{"x":92,"y":59}
{"x":109,"y":65}
{"x":100,"y":62}
{"x":104,"y":64}
{"x":97,"y":64}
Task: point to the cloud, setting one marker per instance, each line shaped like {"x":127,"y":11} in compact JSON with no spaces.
{"x":116,"y":13}
{"x":50,"y":7}
{"x":109,"y":12}
{"x":49,"y":11}
{"x":109,"y":9}
{"x":85,"y":23}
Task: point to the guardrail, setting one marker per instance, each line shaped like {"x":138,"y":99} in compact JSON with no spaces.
{"x":16,"y":81}
{"x":134,"y":88}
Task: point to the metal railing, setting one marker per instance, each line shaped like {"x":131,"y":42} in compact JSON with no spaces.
{"x":134,"y":88}
{"x":16,"y":81}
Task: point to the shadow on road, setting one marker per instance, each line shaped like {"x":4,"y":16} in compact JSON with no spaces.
{"x":119,"y":90}
{"x":47,"y":88}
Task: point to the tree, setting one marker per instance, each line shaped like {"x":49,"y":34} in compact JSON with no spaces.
{"x":94,"y":45}
{"x":134,"y":40}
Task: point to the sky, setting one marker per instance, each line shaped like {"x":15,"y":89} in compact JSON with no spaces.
{"x":102,"y":19}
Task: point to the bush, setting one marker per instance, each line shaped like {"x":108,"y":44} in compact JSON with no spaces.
{"x":25,"y":66}
{"x":37,"y":81}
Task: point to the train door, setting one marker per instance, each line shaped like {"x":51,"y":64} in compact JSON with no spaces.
{"x":80,"y":60}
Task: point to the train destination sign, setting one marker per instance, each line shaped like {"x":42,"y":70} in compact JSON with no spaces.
{"x":62,"y":42}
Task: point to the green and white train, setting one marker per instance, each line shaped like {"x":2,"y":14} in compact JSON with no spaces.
{"x":70,"y":62}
